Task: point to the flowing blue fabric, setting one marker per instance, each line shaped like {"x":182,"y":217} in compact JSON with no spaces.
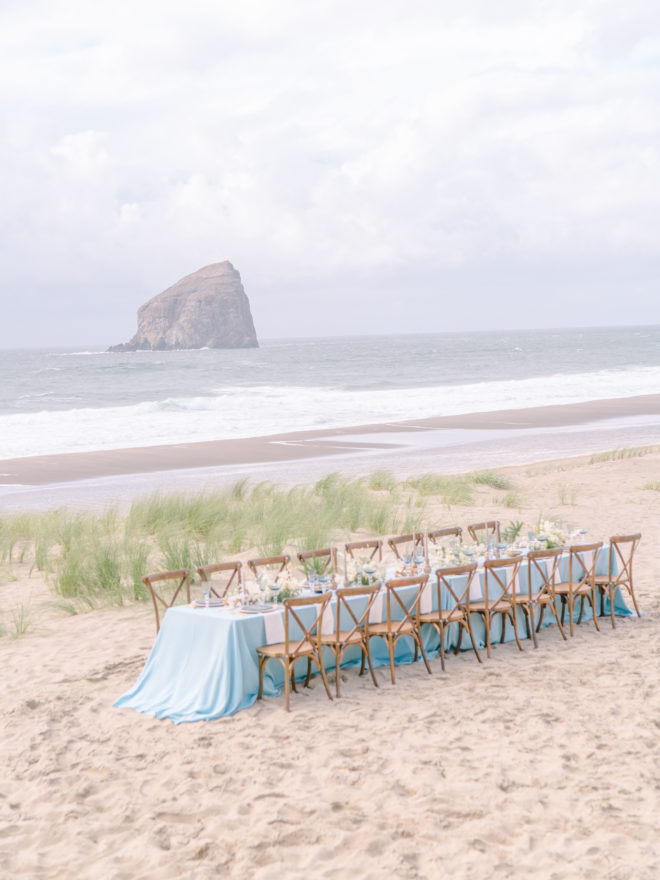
{"x":203,"y":664}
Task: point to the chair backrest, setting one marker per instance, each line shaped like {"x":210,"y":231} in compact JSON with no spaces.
{"x":268,"y":562}
{"x":395,"y":543}
{"x":451,"y":596}
{"x":182,"y":575}
{"x":400,"y":603}
{"x":500,"y":581}
{"x":542,"y":571}
{"x":327,"y":558}
{"x":308,"y":632}
{"x":349,"y":620}
{"x":490,"y":527}
{"x":232,"y":571}
{"x":622,"y":551}
{"x":582,"y":559}
{"x":375,"y":545}
{"x":451,"y":532}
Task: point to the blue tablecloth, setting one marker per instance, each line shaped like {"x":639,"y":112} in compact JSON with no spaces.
{"x":203,"y":664}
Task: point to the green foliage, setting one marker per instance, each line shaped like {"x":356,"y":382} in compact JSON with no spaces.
{"x":382,"y":481}
{"x":618,"y":454}
{"x":654,"y":486}
{"x":511,"y":531}
{"x":511,"y":499}
{"x":490,"y":478}
{"x":451,"y":489}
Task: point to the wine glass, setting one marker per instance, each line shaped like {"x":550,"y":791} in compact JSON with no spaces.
{"x":207,"y":594}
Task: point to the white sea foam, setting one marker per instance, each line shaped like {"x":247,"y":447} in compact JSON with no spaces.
{"x":263,"y":410}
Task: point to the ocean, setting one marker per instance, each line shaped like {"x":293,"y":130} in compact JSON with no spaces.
{"x":73,"y":401}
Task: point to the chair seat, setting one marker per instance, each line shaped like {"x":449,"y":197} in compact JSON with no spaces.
{"x":542,"y":598}
{"x":604,"y":580}
{"x":279,"y":648}
{"x":522,"y":598}
{"x":448,"y":615}
{"x":381,"y":629}
{"x":579,"y":588}
{"x":346,"y":637}
{"x":495,"y":606}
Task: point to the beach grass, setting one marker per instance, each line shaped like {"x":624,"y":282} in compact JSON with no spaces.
{"x":619,"y":454}
{"x":94,"y":560}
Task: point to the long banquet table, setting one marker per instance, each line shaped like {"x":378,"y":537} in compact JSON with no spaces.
{"x":203,"y":664}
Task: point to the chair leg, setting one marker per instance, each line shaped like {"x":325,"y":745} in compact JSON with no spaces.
{"x":632,"y":596}
{"x":337,"y":654}
{"x":582,"y":611}
{"x":538,"y":625}
{"x":570,"y":615}
{"x":503,"y":628}
{"x":487,"y":620}
{"x":371,"y":665}
{"x":390,"y":651}
{"x":321,"y":666}
{"x":529,"y":617}
{"x":460,"y":638}
{"x":592,"y":601}
{"x":287,"y":683}
{"x":309,"y":671}
{"x":553,"y":609}
{"x":262,"y":663}
{"x":418,"y":637}
{"x":471,"y":634}
{"x":362,"y":664}
{"x":506,"y":614}
{"x":441,"y":633}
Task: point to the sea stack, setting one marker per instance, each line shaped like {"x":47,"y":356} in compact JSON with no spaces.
{"x":208,"y":309}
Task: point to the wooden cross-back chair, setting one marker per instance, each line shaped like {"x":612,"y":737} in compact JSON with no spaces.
{"x":351,"y":627}
{"x":582,"y":559}
{"x":458,"y":600}
{"x":435,"y":535}
{"x":395,"y":543}
{"x":268,"y":562}
{"x":328,"y":554}
{"x":542,"y":569}
{"x":490,"y":527}
{"x":622,"y":550}
{"x":307,"y":645}
{"x":500,"y":580}
{"x":231,"y":569}
{"x":182,"y":575}
{"x":373,"y":545}
{"x":392,"y":630}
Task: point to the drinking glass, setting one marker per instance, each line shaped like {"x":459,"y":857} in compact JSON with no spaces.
{"x":207,"y":594}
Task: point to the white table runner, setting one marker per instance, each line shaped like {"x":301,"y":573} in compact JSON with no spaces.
{"x":274,"y":623}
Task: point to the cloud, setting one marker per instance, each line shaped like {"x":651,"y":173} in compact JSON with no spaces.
{"x":331,"y":150}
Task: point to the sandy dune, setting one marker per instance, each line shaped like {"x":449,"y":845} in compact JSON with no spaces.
{"x":541,"y":764}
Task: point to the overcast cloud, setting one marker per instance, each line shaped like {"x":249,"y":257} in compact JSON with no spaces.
{"x":367,"y":166}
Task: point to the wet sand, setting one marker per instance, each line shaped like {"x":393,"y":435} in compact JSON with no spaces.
{"x":301,"y":445}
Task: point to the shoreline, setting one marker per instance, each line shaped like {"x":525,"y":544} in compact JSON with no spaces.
{"x":427,"y":434}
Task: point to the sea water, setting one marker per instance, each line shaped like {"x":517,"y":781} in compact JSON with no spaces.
{"x":74,"y":401}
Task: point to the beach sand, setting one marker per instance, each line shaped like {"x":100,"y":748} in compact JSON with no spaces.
{"x":542,"y":764}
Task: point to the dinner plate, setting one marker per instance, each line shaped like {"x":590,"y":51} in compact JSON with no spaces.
{"x":213,"y":603}
{"x":257,"y":609}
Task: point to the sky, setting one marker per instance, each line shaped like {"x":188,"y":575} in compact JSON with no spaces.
{"x":368,"y":167}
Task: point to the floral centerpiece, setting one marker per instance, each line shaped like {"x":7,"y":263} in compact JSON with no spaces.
{"x":363,"y":571}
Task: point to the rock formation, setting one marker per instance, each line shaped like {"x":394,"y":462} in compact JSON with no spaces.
{"x":208,"y":309}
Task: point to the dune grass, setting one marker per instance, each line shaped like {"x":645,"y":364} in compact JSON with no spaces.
{"x":92,"y":560}
{"x":618,"y":454}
